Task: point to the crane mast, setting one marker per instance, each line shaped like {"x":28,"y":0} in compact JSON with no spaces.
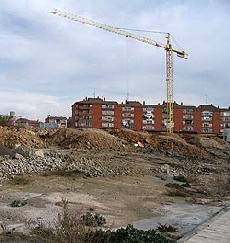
{"x":168,"y":47}
{"x":169,"y":83}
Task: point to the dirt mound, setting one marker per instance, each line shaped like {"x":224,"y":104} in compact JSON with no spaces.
{"x":6,"y":151}
{"x":177,"y":144}
{"x":85,"y":139}
{"x":211,"y":143}
{"x":161,"y":142}
{"x":12,"y":137}
{"x":132,"y":136}
{"x":206,"y":142}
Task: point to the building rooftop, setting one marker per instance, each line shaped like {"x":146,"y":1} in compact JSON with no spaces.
{"x":97,"y":100}
{"x":207,"y":107}
{"x":56,"y":117}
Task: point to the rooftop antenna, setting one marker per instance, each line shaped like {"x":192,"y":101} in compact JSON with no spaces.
{"x":94,"y":93}
{"x":127,"y":95}
{"x":206,"y":99}
{"x":127,"y":69}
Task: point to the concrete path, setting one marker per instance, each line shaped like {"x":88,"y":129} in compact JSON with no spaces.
{"x":215,"y":230}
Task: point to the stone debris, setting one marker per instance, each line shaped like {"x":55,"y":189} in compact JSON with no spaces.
{"x":40,"y":162}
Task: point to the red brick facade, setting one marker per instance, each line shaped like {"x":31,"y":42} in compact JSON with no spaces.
{"x":99,"y":113}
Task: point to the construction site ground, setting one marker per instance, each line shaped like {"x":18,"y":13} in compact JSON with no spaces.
{"x":126,"y":176}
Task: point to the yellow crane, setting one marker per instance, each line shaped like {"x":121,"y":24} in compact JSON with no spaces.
{"x":168,"y":47}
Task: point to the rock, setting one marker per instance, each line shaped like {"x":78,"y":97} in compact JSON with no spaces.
{"x":2,"y":228}
{"x":19,"y":228}
{"x":39,"y":153}
{"x":140,"y":145}
{"x":17,"y":145}
{"x":165,"y":168}
{"x":18,"y":156}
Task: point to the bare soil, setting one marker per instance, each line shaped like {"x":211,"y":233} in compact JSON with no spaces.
{"x":152,"y":159}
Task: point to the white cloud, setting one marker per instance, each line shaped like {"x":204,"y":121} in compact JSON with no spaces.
{"x":64,"y":61}
{"x":33,"y":105}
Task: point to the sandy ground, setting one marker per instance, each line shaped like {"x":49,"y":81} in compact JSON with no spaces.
{"x":142,"y":201}
{"x":122,"y":199}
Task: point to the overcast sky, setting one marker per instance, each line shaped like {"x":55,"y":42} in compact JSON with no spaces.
{"x":48,"y":62}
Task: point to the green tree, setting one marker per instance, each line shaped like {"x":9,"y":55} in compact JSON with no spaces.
{"x":3,"y":120}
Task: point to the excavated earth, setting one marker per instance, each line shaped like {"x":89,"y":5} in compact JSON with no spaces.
{"x":120,"y":174}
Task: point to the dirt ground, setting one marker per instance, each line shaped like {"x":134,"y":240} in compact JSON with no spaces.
{"x":122,"y":200}
{"x":142,"y":187}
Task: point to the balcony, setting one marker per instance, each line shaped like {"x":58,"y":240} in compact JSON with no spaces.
{"x":188,"y":117}
{"x":151,"y":122}
{"x":127,"y":115}
{"x":206,"y":118}
{"x":83,"y":107}
{"x":148,"y":127}
{"x":107,"y":107}
{"x":188,"y":111}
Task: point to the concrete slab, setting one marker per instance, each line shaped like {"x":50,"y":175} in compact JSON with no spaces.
{"x":215,"y":230}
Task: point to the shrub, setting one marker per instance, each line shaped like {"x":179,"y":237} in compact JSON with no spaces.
{"x":166,"y":228}
{"x":20,"y":180}
{"x":180,"y":178}
{"x":70,"y":229}
{"x":133,"y":235}
{"x":177,"y":186}
{"x":93,"y":220}
{"x":3,"y":120}
{"x":18,"y":203}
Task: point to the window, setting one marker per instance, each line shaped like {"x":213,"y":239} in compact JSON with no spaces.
{"x":188,"y":117}
{"x":148,"y":127}
{"x":127,"y":108}
{"x":188,"y":110}
{"x":148,"y":110}
{"x":108,"y":118}
{"x":207,"y":124}
{"x":107,"y":125}
{"x":110,"y":113}
{"x":207,"y":113}
{"x":127,"y":115}
{"x":107,"y":106}
{"x":148,"y":122}
{"x":207,"y":130}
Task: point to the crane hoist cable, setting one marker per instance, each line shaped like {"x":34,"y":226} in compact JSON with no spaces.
{"x":123,"y":32}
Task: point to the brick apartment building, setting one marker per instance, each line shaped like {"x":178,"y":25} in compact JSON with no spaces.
{"x":99,"y":113}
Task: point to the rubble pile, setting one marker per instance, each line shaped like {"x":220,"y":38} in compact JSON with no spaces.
{"x":211,"y":142}
{"x":190,"y":146}
{"x":85,"y":139}
{"x":174,"y":143}
{"x":13,"y":137}
{"x":39,"y":161}
{"x":161,"y":142}
{"x":131,"y":136}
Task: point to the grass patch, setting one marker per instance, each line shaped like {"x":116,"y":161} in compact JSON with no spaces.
{"x":70,"y":228}
{"x":166,"y":228}
{"x":178,"y":193}
{"x":20,"y":180}
{"x":177,"y":186}
{"x":180,"y":178}
{"x":64,"y":173}
{"x":18,"y":237}
{"x":18,"y":203}
{"x":93,"y":219}
{"x":177,"y":190}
